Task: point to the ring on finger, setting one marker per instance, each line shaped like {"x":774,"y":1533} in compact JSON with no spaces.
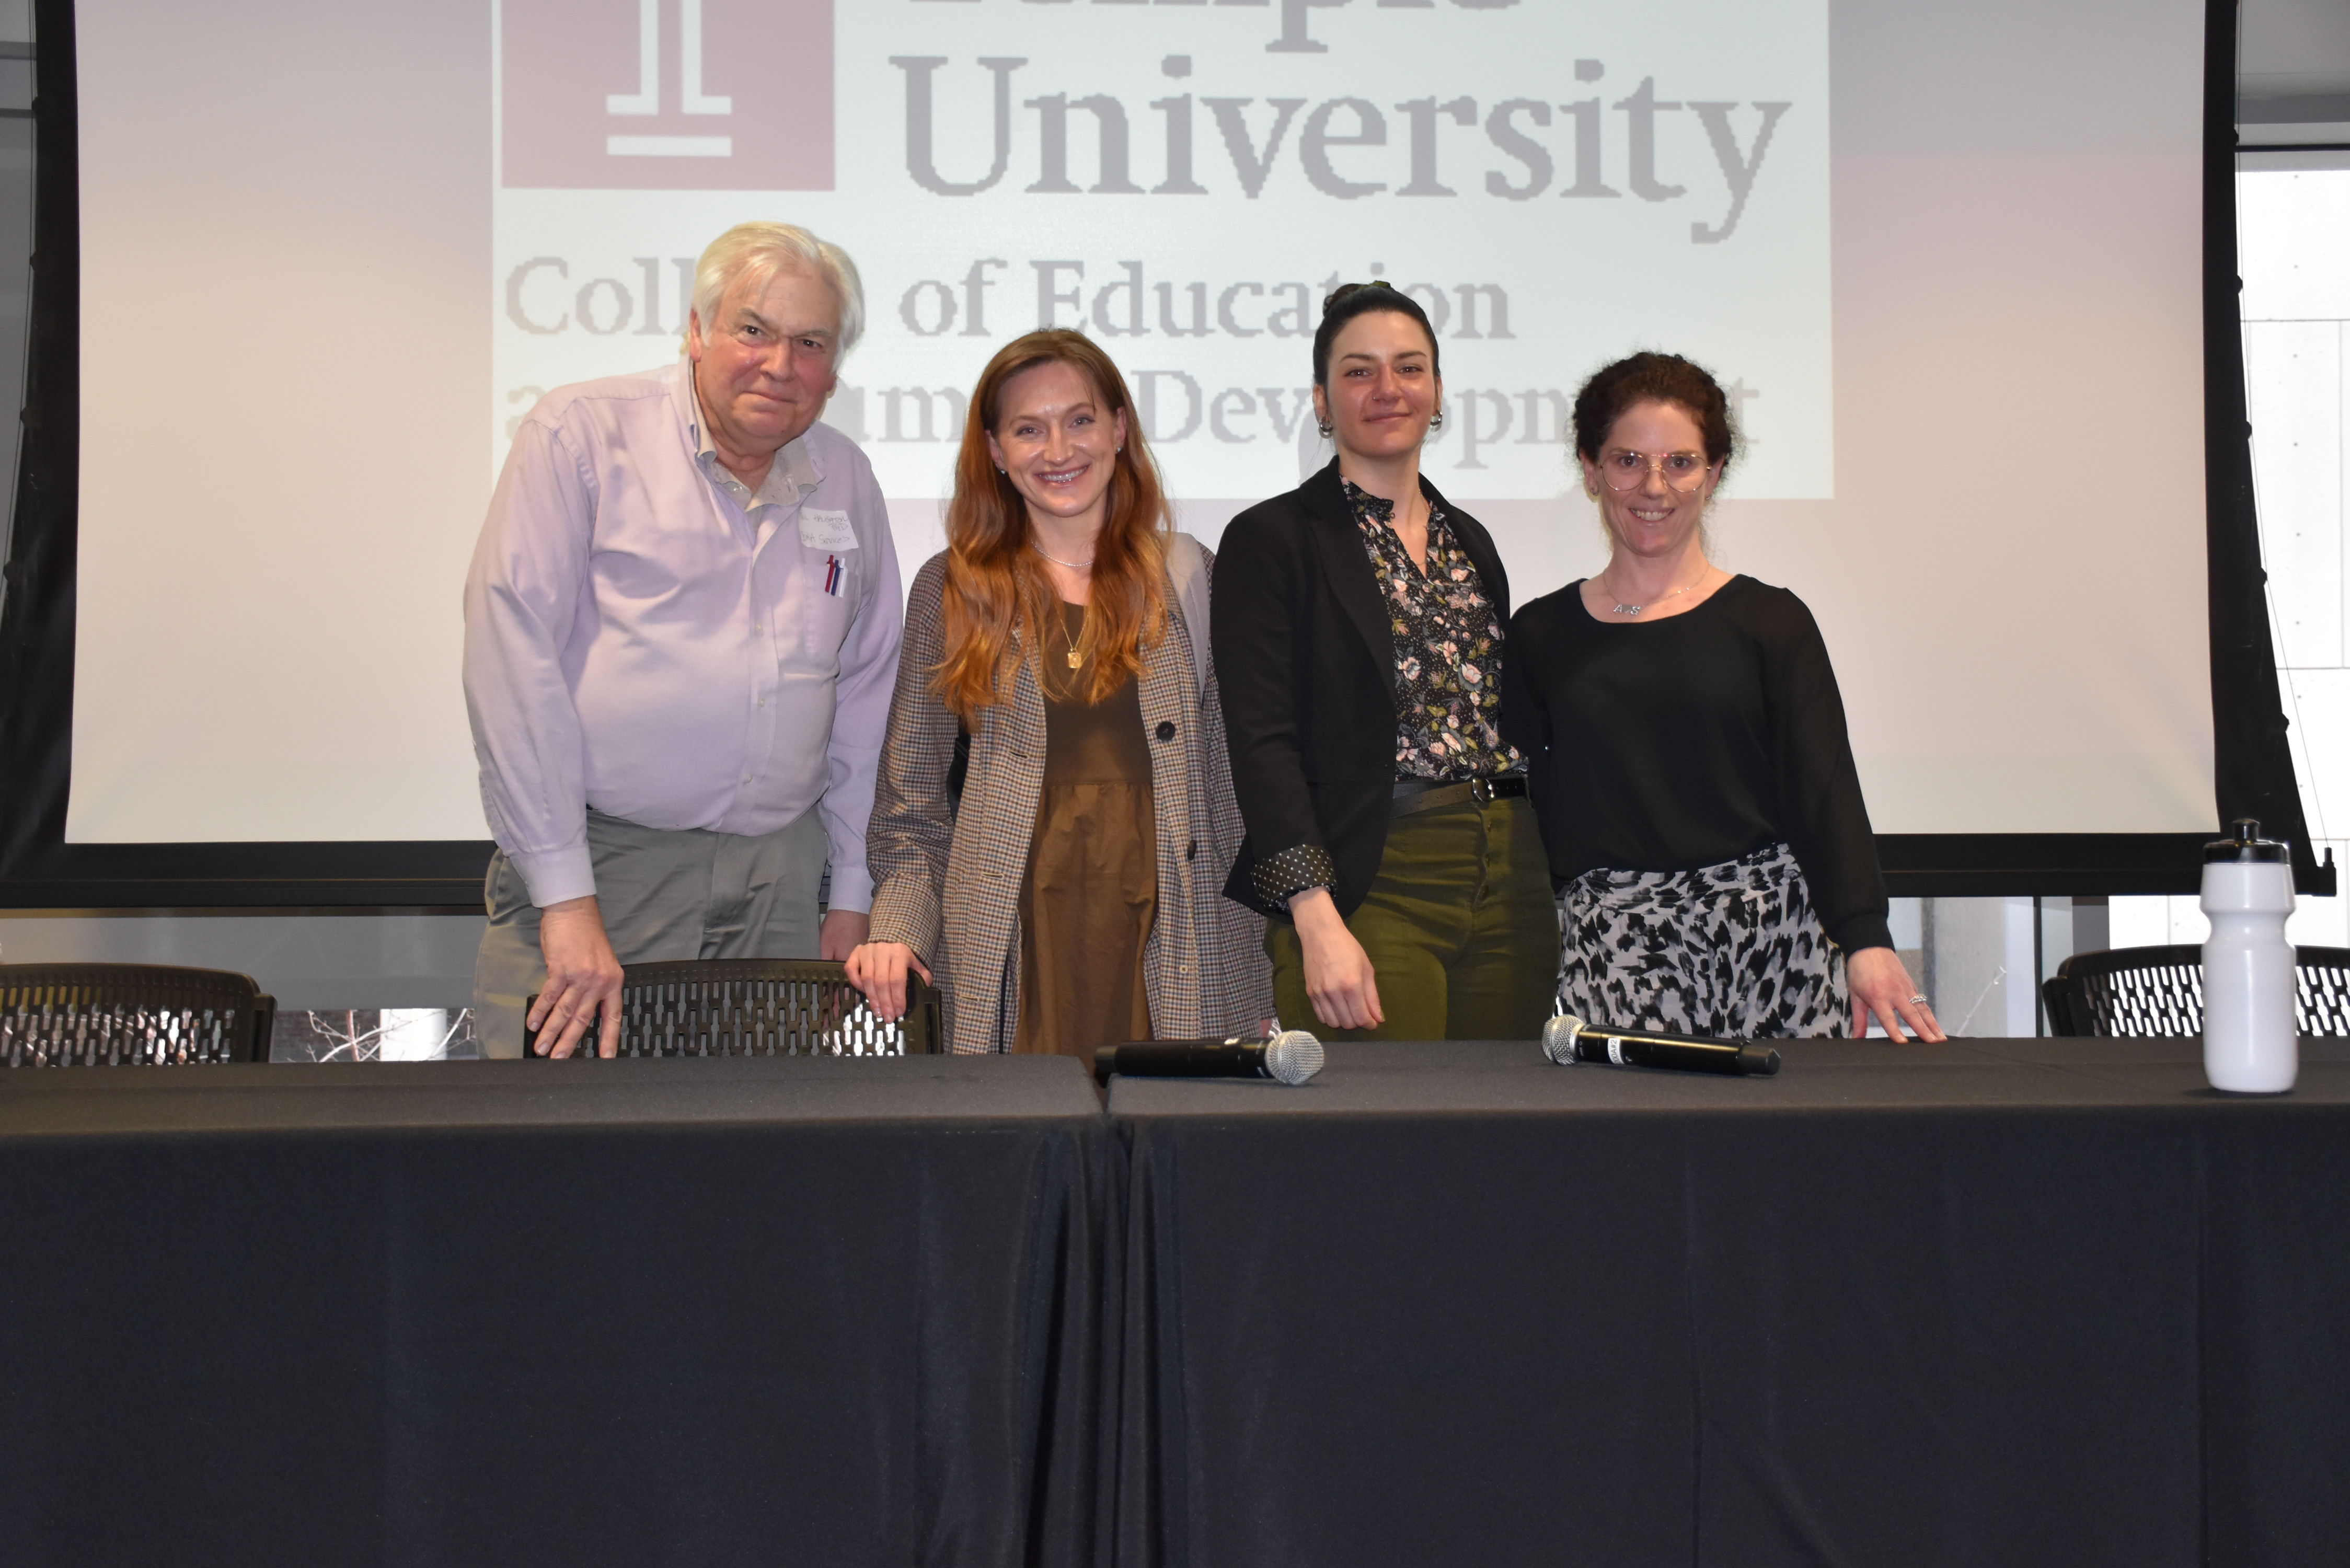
{"x":1918,"y":1001}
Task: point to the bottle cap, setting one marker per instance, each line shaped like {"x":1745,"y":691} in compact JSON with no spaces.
{"x":2248,"y":846}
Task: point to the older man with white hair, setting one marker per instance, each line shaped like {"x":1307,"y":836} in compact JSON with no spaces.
{"x":682,"y":630}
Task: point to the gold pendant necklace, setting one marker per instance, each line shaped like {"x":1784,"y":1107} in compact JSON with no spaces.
{"x":1075,"y":659}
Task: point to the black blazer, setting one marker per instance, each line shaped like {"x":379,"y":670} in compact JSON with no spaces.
{"x":1307,"y":669}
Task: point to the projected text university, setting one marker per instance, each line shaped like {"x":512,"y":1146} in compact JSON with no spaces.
{"x":1322,"y":131}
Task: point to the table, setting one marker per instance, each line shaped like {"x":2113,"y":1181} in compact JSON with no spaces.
{"x":801,"y":1310}
{"x":1989,"y":1302}
{"x":1995,"y":1302}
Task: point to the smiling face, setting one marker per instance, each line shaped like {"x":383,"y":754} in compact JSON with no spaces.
{"x":767,"y":363}
{"x":1383,"y":387}
{"x":1651,"y":518}
{"x":1056,"y":443}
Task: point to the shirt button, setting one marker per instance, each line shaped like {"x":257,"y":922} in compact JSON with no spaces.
{"x":1166,"y":729}
{"x":746,"y":778}
{"x":762,"y":702}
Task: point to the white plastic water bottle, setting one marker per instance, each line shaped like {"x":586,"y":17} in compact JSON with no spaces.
{"x":2250,"y":1044}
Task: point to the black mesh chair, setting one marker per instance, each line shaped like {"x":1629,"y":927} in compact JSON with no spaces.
{"x":759,"y":1007}
{"x":129,"y":1014}
{"x":2157,"y":992}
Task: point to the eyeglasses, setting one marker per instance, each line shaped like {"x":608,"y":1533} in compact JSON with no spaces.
{"x":1683,"y":471}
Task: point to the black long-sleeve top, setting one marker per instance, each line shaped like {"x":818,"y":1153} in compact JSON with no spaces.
{"x":1669,"y":745}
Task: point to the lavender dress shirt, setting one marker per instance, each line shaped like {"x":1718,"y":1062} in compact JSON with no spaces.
{"x":646,"y":636}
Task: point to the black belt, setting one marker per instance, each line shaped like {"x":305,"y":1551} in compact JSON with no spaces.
{"x":1428,"y":795}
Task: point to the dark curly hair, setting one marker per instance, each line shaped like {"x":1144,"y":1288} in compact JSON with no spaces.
{"x":1352,"y":299}
{"x":1614,"y":389}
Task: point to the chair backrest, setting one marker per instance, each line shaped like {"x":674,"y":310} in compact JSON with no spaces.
{"x":760,"y":1007}
{"x":129,"y":1014}
{"x":2321,"y":992}
{"x":2157,"y":992}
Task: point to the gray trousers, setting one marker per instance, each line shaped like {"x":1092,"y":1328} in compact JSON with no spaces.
{"x":666,"y":894}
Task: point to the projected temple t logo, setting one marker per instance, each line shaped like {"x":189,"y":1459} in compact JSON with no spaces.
{"x":1184,"y":182}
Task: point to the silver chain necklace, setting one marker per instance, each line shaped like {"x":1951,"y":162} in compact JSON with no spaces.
{"x":1621,"y":608}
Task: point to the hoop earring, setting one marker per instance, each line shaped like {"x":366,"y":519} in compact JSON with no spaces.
{"x":1326,"y":427}
{"x":1437,"y":423}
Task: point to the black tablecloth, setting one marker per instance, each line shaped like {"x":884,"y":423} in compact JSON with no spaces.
{"x":1991,"y":1303}
{"x":802,"y":1311}
{"x":2022,"y":1302}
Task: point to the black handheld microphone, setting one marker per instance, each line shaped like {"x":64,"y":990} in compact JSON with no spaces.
{"x":1567,"y":1040}
{"x":1290,"y":1058}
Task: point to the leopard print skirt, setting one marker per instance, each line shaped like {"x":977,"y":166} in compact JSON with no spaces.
{"x":1733,"y":950}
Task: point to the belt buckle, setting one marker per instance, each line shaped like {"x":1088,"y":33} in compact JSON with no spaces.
{"x":1480,"y":790}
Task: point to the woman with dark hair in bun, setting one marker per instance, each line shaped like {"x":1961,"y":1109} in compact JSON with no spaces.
{"x":1691,"y":766}
{"x":1358,"y":629}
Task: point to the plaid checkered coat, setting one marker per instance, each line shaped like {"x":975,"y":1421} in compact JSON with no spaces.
{"x":949,"y":887}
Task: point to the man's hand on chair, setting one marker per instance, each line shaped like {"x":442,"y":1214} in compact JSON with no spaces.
{"x":582,"y":980}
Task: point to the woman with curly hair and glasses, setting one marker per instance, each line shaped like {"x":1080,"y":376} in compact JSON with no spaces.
{"x":1691,"y":766}
{"x":1071,"y":899}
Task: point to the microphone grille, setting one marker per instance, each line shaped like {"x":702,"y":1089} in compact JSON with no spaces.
{"x":1293,"y":1056}
{"x":1558,"y":1038}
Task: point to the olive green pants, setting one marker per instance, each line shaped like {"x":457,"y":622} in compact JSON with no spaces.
{"x":1460,"y":927}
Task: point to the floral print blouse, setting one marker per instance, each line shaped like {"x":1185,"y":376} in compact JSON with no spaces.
{"x":1448,"y":650}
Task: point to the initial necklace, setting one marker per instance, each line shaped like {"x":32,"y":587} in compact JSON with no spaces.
{"x":1635,"y":610}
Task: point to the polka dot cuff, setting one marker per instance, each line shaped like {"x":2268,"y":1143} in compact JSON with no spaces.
{"x":1292,"y":870}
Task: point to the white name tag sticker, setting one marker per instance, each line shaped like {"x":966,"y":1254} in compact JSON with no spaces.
{"x":823,"y":529}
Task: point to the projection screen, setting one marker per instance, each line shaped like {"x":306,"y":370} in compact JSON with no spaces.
{"x":332,"y":249}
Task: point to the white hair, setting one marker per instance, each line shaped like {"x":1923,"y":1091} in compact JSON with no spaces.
{"x":756,"y":252}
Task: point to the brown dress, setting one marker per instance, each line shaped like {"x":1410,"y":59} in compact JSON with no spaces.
{"x":1091,"y":891}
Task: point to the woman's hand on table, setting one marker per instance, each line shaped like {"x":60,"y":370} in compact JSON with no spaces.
{"x":1881,"y":986}
{"x":1339,"y":980}
{"x":879,"y":969}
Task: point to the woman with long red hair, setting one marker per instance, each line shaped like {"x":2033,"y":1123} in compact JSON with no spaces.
{"x":1073,"y":897}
